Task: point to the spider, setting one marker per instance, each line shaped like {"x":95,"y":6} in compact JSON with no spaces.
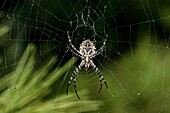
{"x":86,"y":52}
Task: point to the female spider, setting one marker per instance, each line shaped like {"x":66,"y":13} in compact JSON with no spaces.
{"x":86,"y":52}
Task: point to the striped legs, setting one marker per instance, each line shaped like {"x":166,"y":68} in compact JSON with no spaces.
{"x":73,"y":47}
{"x":76,"y":71}
{"x":101,"y":78}
{"x":73,"y":77}
{"x":99,"y":51}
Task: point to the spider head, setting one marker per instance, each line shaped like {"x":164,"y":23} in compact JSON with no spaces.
{"x":87,"y":48}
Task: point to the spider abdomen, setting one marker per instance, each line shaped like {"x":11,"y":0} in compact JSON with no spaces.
{"x":87,"y":62}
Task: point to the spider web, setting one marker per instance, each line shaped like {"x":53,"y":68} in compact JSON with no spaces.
{"x":134,"y":62}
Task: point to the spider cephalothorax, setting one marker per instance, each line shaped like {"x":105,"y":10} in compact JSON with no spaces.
{"x":86,"y":52}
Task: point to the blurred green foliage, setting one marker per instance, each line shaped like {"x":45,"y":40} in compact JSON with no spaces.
{"x":138,"y":84}
{"x":24,"y":89}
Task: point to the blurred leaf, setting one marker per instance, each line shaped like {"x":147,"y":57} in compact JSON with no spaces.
{"x":139,"y":84}
{"x":23,"y":90}
{"x":4,"y":30}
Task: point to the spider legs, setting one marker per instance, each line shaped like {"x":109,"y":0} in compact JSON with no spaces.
{"x":74,"y":48}
{"x":101,"y":78}
{"x":99,"y":51}
{"x":75,"y":53}
{"x":73,"y":78}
